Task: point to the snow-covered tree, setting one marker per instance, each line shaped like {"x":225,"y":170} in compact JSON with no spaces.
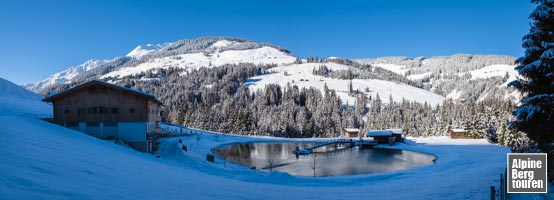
{"x":535,"y":114}
{"x":490,"y":132}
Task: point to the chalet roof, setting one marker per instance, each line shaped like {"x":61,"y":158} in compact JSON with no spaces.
{"x":373,"y":133}
{"x":351,"y":130}
{"x":457,"y":130}
{"x":50,"y":97}
{"x":396,"y":131}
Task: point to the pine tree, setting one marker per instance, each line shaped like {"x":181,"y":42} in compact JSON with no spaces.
{"x":490,"y":132}
{"x":350,"y":88}
{"x":535,"y":114}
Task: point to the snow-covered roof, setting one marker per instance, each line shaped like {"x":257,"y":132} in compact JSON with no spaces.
{"x":373,"y":133}
{"x":52,"y":96}
{"x":458,"y":130}
{"x":351,"y":130}
{"x":396,"y":131}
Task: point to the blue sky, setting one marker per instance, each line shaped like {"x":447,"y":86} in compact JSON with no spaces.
{"x":39,"y":38}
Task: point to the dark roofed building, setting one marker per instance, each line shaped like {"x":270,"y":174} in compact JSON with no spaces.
{"x":108,"y":111}
{"x":389,"y":136}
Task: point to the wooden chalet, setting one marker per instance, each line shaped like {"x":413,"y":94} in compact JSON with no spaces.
{"x":109,"y":111}
{"x":350,"y":132}
{"x":397,"y":133}
{"x":389,"y":136}
{"x":459,"y":134}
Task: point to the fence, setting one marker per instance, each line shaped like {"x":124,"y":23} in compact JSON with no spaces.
{"x":501,"y":193}
{"x":35,"y":115}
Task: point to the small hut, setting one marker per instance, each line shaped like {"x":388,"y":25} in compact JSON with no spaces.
{"x":397,"y":133}
{"x":382,"y":136}
{"x":350,"y":132}
{"x":458,"y":133}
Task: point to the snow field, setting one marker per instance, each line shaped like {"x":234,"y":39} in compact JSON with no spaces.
{"x":267,"y":55}
{"x":302,"y":76}
{"x":40,"y":160}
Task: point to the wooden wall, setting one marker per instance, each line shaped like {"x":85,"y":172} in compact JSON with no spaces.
{"x":99,"y":103}
{"x":153,"y":111}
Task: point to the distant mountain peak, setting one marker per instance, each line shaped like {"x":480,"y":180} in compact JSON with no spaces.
{"x":145,"y":49}
{"x":64,"y":76}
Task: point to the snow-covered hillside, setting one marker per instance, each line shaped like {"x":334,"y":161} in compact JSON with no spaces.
{"x":142,"y":50}
{"x":15,"y":100}
{"x":183,"y":54}
{"x":64,"y":76}
{"x":494,"y":71}
{"x":464,"y":76}
{"x":41,"y":160}
{"x":263,"y":55}
{"x":429,"y":80}
{"x":399,"y":69}
{"x":302,"y":76}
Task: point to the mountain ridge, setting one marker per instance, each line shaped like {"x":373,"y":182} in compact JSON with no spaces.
{"x":141,"y":54}
{"x":439,"y":74}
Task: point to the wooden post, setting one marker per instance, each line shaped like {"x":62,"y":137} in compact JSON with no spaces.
{"x":501,"y":190}
{"x":493,"y":193}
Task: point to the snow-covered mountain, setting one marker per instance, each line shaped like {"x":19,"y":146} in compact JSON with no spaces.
{"x":195,"y":53}
{"x":142,"y":50}
{"x":207,"y":59}
{"x":461,"y":76}
{"x":64,"y":76}
{"x":183,"y":54}
{"x":429,"y":80}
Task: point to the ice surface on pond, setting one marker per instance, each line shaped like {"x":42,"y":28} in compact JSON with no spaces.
{"x":330,"y":160}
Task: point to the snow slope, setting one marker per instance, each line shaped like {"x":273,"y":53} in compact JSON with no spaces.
{"x":267,"y":55}
{"x":453,"y":76}
{"x":302,"y":76}
{"x":65,"y":76}
{"x":399,"y":69}
{"x":15,"y":100}
{"x":142,"y":50}
{"x":495,"y":71}
{"x":414,"y":77}
{"x":40,"y":160}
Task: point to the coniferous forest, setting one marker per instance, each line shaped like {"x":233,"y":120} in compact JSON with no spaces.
{"x":218,"y":98}
{"x":215,"y":99}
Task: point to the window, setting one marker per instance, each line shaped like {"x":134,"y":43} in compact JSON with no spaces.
{"x":92,"y":110}
{"x":110,"y":124}
{"x":131,"y":110}
{"x":72,"y":124}
{"x":66,"y":111}
{"x":115,"y":110}
{"x":93,"y":124}
{"x":81,"y":111}
{"x":103,"y":110}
